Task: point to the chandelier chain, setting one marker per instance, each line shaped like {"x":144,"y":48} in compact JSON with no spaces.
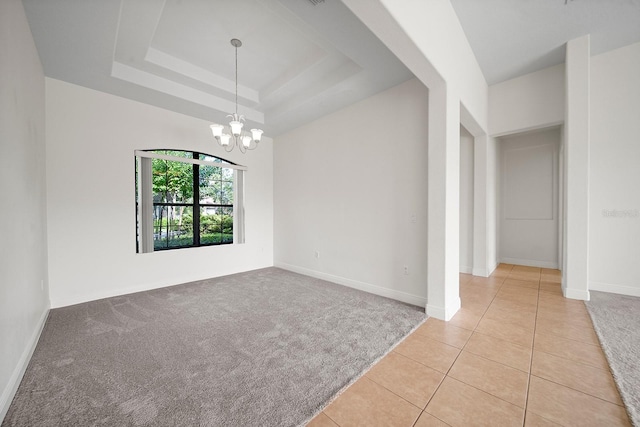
{"x":236,"y":79}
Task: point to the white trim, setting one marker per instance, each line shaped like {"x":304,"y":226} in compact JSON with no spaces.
{"x":481,"y":272}
{"x":443,"y":313}
{"x":150,"y":155}
{"x":615,"y":289}
{"x":530,"y":262}
{"x":98,"y":295}
{"x":579,"y":294}
{"x":491,"y":269}
{"x":466,"y":270}
{"x":362,"y":286}
{"x":529,"y":129}
{"x":16,"y":377}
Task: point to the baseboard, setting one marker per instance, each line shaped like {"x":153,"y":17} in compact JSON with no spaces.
{"x":530,"y":262}
{"x":480,"y":272}
{"x":484,"y":272}
{"x":614,"y":289}
{"x":18,"y":372}
{"x":443,"y":313}
{"x":66,"y":301}
{"x":466,"y":270}
{"x":579,"y":294}
{"x":362,"y":286}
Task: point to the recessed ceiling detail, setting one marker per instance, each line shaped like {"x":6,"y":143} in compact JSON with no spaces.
{"x":294,"y":65}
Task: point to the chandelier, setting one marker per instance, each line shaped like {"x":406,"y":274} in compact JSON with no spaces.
{"x":233,"y":136}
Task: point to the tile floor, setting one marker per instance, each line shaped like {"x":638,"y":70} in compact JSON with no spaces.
{"x":517,"y":353}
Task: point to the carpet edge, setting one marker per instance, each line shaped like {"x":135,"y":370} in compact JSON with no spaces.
{"x":362,"y":374}
{"x":633,"y":417}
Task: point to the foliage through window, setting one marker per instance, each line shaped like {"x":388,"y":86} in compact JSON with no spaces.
{"x":192,"y":204}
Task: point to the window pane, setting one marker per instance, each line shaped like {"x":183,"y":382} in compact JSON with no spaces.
{"x":209,"y":158}
{"x":209,"y":191}
{"x":226,"y":192}
{"x":227,"y":174}
{"x":227,"y":225}
{"x":216,"y":225}
{"x":172,"y":227}
{"x":172,"y":181}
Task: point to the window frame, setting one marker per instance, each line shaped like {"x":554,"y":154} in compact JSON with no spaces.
{"x":237,"y":205}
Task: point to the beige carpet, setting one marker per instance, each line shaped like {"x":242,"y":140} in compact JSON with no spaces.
{"x":262,"y":348}
{"x":616,"y":319}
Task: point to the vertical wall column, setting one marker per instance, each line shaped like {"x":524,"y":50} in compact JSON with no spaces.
{"x":480,"y":217}
{"x":443,"y":299}
{"x":576,"y":170}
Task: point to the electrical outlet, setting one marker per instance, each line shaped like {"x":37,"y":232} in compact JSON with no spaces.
{"x":317,"y":254}
{"x":413,"y":218}
{"x":406,"y":270}
{"x":42,"y":284}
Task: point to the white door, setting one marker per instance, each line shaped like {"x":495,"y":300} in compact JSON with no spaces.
{"x":528,"y":200}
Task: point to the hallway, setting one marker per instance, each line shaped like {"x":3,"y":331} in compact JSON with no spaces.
{"x":517,"y":353}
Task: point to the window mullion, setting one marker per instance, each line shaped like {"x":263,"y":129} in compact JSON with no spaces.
{"x":196,"y":202}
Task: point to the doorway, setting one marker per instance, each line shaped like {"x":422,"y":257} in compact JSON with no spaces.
{"x":528,"y":198}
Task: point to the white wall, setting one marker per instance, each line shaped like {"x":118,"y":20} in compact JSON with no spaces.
{"x":532,"y":101}
{"x":529,"y":198}
{"x":24,"y":300}
{"x":466,"y":201}
{"x":435,"y":29}
{"x":352,"y":186}
{"x":91,"y":137}
{"x":428,"y":38}
{"x":614,"y":204}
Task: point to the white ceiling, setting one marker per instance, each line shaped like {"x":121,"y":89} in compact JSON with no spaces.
{"x":515,"y":37}
{"x":298,"y":61}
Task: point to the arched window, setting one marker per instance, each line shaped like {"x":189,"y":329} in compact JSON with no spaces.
{"x":187,"y":199}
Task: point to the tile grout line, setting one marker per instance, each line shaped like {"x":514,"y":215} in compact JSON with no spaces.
{"x":391,"y":391}
{"x":454,"y":361}
{"x":533,"y":341}
{"x":504,"y":279}
{"x":576,"y":390}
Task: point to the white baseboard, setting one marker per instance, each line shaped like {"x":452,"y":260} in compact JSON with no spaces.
{"x":362,"y":286}
{"x":18,"y":372}
{"x":437,"y":312}
{"x":615,"y":289}
{"x":67,"y":300}
{"x":530,"y":262}
{"x":484,"y":272}
{"x":580,"y":294}
{"x":443,"y":313}
{"x":480,"y":272}
{"x":466,"y":270}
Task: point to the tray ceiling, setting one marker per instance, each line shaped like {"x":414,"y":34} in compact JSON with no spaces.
{"x":298,"y":61}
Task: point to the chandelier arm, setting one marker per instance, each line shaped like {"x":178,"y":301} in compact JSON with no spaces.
{"x":228,"y":148}
{"x":241,"y":147}
{"x":253,"y":146}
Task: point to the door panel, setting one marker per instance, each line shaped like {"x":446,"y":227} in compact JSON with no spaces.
{"x":529,"y":199}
